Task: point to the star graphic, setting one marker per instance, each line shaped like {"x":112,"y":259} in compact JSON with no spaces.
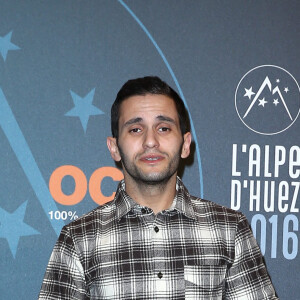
{"x":262,"y":102}
{"x":286,"y":89}
{"x":6,"y":45}
{"x":275,"y":101}
{"x":249,"y":93}
{"x":84,"y":108}
{"x":12,"y":227}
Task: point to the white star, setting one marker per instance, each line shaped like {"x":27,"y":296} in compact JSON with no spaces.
{"x":249,"y":93}
{"x":262,"y":102}
{"x":286,"y":89}
{"x":275,"y":101}
{"x":277,"y":80}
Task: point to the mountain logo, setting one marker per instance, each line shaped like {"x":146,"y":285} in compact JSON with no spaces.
{"x":267,"y":99}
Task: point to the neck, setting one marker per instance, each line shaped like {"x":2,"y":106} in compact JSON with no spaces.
{"x":157,"y":196}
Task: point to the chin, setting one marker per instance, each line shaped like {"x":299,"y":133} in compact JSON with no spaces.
{"x":154,"y":178}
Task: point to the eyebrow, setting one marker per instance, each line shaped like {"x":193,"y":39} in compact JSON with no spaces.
{"x":139,"y":120}
{"x":166,"y":119}
{"x":132,"y":121}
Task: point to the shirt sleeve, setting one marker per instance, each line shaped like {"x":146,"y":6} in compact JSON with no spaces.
{"x":248,"y":278}
{"x":64,"y":277}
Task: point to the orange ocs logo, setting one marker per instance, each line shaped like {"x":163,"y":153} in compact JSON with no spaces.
{"x":81,"y":184}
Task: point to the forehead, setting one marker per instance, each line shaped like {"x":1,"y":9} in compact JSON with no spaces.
{"x":148,"y":106}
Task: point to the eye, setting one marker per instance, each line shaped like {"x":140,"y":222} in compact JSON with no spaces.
{"x":135,"y":130}
{"x":164,"y":129}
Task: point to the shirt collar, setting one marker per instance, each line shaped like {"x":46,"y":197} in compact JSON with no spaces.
{"x":124,"y":203}
{"x":182,"y":202}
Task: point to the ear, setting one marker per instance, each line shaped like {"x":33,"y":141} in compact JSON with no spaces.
{"x":113,"y":148}
{"x":187,"y":139}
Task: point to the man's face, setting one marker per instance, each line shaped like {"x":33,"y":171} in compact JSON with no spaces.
{"x":150,"y":142}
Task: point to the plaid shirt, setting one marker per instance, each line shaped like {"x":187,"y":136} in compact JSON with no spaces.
{"x":194,"y":250}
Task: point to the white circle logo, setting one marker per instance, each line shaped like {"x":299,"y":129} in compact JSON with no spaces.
{"x":267,"y":99}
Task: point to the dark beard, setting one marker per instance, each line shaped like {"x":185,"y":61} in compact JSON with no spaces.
{"x":147,"y":180}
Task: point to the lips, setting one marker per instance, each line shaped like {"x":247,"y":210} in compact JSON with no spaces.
{"x":151,"y":158}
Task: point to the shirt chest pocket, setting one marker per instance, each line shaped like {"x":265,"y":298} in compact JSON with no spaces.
{"x":205,"y":281}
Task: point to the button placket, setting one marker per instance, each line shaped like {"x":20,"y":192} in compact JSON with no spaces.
{"x":158,"y":252}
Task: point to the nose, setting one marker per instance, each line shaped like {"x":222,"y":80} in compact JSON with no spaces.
{"x":150,"y":139}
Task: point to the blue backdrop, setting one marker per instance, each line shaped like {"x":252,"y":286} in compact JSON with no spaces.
{"x":236,"y":65}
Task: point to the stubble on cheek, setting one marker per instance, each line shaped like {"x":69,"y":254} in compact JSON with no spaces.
{"x":150,"y":178}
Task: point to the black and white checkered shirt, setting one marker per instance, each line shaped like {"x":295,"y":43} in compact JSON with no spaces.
{"x":194,"y":250}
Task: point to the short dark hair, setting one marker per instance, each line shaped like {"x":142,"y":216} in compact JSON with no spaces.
{"x":143,"y":86}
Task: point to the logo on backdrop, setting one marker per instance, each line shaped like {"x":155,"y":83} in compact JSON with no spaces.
{"x":267,"y":99}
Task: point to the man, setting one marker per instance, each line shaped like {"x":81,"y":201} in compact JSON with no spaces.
{"x":155,"y":240}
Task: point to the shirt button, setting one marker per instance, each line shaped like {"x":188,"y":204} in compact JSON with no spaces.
{"x":143,"y":210}
{"x":159,"y":275}
{"x":156,"y":229}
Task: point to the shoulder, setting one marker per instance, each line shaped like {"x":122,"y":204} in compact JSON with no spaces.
{"x":96,"y":219}
{"x":214,"y":212}
{"x":221,"y":222}
{"x":206,"y":211}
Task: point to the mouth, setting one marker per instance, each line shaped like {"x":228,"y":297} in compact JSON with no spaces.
{"x":151,"y":159}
